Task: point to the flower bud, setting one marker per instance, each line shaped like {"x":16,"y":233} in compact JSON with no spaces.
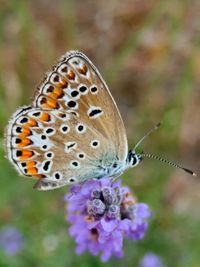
{"x":113,"y":212}
{"x":119,"y":194}
{"x":95,"y":207}
{"x":96,"y":194}
{"x":109,"y":195}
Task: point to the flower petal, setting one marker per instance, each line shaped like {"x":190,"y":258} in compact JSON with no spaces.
{"x":108,"y":225}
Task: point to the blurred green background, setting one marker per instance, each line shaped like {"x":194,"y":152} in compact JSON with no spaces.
{"x":148,"y":51}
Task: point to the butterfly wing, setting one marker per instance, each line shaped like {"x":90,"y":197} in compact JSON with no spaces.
{"x":73,"y":129}
{"x":75,"y":84}
{"x":55,"y":146}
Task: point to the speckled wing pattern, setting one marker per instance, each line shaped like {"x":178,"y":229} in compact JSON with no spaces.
{"x":72,"y":129}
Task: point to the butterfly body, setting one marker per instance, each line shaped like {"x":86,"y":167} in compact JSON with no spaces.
{"x":73,"y":130}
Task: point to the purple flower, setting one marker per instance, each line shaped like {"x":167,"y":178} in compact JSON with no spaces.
{"x":151,"y":260}
{"x":11,"y":240}
{"x":101,"y":214}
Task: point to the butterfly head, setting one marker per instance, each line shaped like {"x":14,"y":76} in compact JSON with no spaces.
{"x":133,"y":158}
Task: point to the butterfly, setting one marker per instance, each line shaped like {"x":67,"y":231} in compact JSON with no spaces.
{"x":72,"y":132}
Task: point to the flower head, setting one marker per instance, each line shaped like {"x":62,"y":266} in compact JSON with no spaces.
{"x":11,"y":240}
{"x":151,"y":260}
{"x":101,"y":214}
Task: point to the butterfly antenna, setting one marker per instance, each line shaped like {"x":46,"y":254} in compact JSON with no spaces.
{"x":168,"y":162}
{"x":147,"y":134}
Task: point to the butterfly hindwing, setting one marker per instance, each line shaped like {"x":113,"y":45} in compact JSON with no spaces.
{"x":56,"y":147}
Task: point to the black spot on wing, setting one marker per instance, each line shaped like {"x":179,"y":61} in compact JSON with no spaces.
{"x":95,"y":112}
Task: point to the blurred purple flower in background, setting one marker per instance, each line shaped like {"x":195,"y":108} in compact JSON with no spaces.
{"x":151,"y":260}
{"x":101,"y":214}
{"x":11,"y":240}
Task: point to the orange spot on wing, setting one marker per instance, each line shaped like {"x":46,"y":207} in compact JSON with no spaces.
{"x":24,"y":142}
{"x":26,"y":154}
{"x":64,"y":84}
{"x":32,"y":122}
{"x":39,"y":175}
{"x":83,"y":70}
{"x":25,"y":132}
{"x":44,"y":117}
{"x":71,"y":75}
{"x":50,"y":103}
{"x":31,"y":169}
{"x":57,"y":93}
{"x":30,"y":164}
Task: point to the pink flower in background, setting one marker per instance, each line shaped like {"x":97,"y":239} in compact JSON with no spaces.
{"x":11,"y":240}
{"x":151,"y":260}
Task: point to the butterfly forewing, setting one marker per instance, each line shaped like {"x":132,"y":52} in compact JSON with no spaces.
{"x":72,"y":129}
{"x":75,"y":84}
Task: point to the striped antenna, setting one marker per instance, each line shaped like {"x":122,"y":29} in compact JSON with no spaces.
{"x":144,"y":155}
